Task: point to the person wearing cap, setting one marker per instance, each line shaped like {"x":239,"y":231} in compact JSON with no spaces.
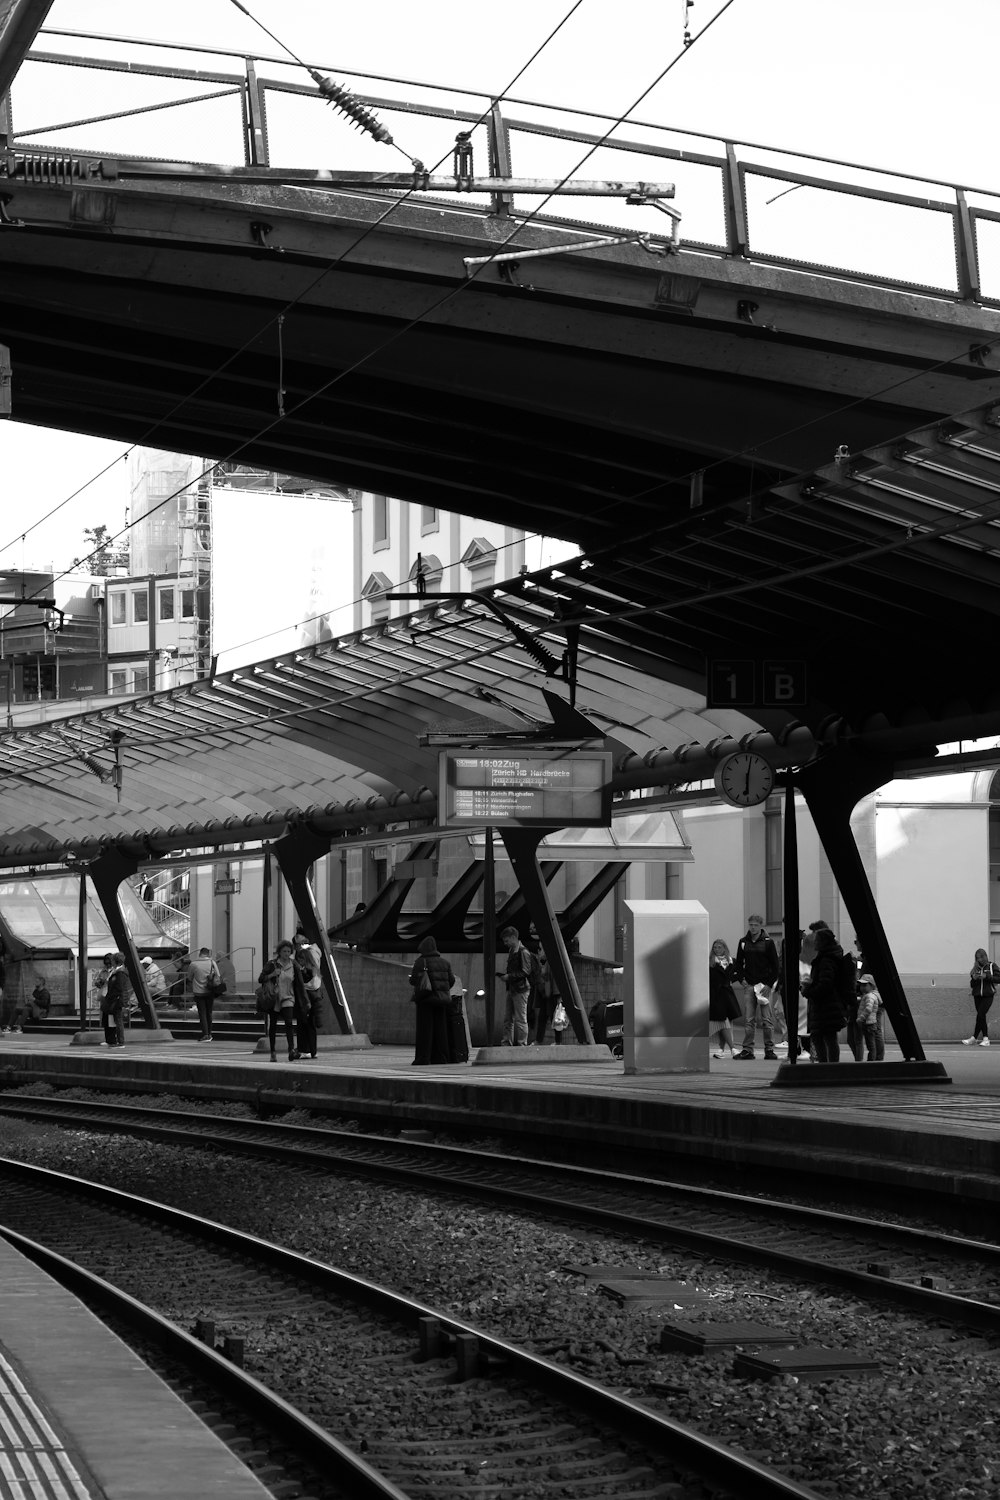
{"x":871,"y":1018}
{"x":155,"y":979}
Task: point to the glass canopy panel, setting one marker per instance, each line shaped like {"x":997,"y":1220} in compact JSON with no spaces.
{"x":632,"y":838}
{"x":45,"y":913}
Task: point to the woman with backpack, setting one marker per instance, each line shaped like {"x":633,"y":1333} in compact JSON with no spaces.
{"x":984,"y":976}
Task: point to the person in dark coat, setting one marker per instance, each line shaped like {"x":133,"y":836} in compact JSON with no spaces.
{"x":827,"y":1007}
{"x":756,"y":968}
{"x":432,"y":978}
{"x":723,"y":1006}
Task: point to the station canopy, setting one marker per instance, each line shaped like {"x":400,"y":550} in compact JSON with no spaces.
{"x":877,"y":575}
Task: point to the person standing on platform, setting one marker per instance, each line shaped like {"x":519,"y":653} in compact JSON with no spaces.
{"x":204,"y":975}
{"x":756,"y":968}
{"x":546,"y":998}
{"x":281,"y":983}
{"x":984,"y":976}
{"x":871,"y":1018}
{"x":855,"y":1036}
{"x":308,"y":958}
{"x":518,"y":981}
{"x":723,"y":1006}
{"x":432,"y":978}
{"x":113,"y":1000}
{"x":826,"y":1003}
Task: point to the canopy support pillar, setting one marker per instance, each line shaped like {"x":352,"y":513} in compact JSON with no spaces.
{"x":832,"y":787}
{"x":522,"y":849}
{"x":107,"y":874}
{"x":296,"y":852}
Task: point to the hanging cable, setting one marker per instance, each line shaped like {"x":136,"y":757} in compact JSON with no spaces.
{"x":281,"y":365}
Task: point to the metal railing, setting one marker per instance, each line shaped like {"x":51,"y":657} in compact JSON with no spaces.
{"x":836,"y":218}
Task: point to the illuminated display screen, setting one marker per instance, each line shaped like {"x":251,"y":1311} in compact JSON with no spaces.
{"x":537,"y":788}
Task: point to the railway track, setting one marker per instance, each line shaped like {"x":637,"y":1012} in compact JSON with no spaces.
{"x":940,"y":1276}
{"x":432,"y":1405}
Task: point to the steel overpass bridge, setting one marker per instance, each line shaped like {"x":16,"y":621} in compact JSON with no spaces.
{"x":777,"y":441}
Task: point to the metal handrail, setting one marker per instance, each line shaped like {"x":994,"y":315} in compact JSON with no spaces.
{"x":736,"y":239}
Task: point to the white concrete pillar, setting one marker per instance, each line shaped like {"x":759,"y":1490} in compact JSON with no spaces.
{"x":666,"y":987}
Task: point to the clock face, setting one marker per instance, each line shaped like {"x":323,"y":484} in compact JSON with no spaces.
{"x":744,"y":779}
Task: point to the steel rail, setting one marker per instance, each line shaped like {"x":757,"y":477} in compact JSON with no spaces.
{"x":319,"y":1446}
{"x":929,"y":1301}
{"x":712,"y":1460}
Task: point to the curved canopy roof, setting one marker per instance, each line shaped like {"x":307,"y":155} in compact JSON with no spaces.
{"x":331,"y":732}
{"x":877,"y":574}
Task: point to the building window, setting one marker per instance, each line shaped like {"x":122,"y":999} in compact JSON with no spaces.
{"x":480,"y":557}
{"x":774,"y":895}
{"x":117,"y":682}
{"x":140,"y":606}
{"x":39,"y":682}
{"x":994,"y":856}
{"x":117,"y":608}
{"x":374,"y":592}
{"x":187,"y":604}
{"x":428,"y":519}
{"x":140,"y":679}
{"x":380,"y":521}
{"x":166,"y":598}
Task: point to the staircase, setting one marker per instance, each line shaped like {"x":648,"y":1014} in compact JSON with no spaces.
{"x":233,"y":1019}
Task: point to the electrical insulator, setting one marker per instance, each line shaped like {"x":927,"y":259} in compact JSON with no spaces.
{"x":341,"y":98}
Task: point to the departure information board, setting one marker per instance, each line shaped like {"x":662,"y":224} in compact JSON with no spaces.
{"x":534,"y":788}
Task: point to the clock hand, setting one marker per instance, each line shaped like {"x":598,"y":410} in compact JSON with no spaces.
{"x":746,"y":790}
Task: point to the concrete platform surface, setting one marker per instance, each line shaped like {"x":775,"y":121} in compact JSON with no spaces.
{"x":942,"y":1135}
{"x":83,"y":1418}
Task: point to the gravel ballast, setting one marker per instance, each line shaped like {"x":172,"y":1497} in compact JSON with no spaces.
{"x":923,"y":1426}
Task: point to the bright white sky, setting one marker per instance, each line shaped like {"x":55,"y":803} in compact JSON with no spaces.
{"x":888,"y":83}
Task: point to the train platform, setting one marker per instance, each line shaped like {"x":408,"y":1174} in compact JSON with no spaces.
{"x":83,"y":1418}
{"x":942,"y":1136}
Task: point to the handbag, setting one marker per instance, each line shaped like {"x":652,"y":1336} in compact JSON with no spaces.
{"x":424,"y":985}
{"x":216,"y":985}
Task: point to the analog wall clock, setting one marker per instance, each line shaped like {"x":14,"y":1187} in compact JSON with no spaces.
{"x":744,"y":779}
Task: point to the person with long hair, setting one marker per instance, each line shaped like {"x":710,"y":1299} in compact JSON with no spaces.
{"x":284,"y":996}
{"x":984,"y":976}
{"x":723,"y":1006}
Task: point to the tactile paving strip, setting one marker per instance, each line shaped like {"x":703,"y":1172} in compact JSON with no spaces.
{"x":34,"y":1464}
